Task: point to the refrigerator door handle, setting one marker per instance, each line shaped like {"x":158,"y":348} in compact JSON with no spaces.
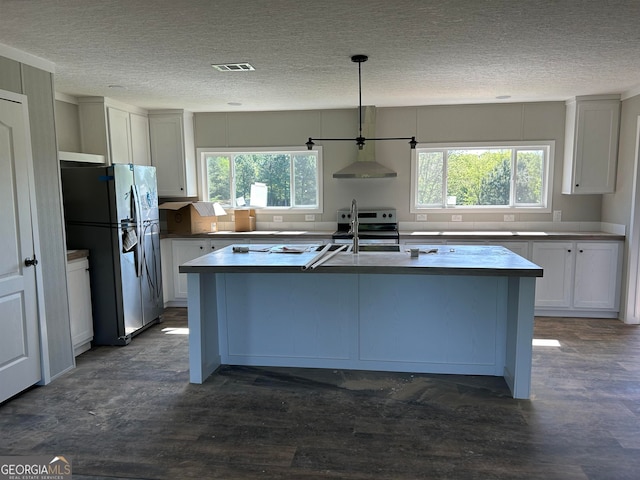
{"x":137,"y":215}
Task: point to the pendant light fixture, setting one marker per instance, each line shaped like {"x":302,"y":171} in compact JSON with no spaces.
{"x":360,"y":140}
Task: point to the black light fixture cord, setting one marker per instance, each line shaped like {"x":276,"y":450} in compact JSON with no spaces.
{"x":360,"y":139}
{"x":360,"y":96}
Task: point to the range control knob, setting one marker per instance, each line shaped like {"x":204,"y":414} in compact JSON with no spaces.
{"x":344,"y":216}
{"x":390,"y":215}
{"x":384,"y":215}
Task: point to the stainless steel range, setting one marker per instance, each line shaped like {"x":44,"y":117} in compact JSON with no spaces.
{"x":375,"y":225}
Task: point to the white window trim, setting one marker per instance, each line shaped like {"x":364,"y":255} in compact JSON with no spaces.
{"x":202,"y":178}
{"x":548,"y":180}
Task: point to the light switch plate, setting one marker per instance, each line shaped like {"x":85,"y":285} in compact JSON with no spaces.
{"x":456,"y":218}
{"x":277,"y":218}
{"x":421,"y":217}
{"x":310,"y":218}
{"x":557,"y":215}
{"x":509,"y":218}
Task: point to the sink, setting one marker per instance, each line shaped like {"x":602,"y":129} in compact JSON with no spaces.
{"x":368,"y":247}
{"x":334,"y":246}
{"x":380,"y":247}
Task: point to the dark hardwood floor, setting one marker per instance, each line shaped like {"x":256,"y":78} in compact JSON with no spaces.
{"x":130,"y":413}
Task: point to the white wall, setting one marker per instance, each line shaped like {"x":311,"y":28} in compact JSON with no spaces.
{"x":617,"y":207}
{"x":492,"y":122}
{"x":67,"y":126}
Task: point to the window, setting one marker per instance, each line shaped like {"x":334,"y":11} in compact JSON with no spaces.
{"x":292,"y":177}
{"x":480,"y":176}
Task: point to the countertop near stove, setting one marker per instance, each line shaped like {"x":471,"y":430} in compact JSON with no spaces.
{"x":470,"y":235}
{"x":461,"y":260}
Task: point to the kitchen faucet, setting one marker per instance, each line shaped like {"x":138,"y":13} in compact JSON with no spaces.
{"x":354,"y":226}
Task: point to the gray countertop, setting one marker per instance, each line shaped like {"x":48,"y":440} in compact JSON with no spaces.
{"x":461,"y":260}
{"x":471,"y":235}
{"x":76,"y":254}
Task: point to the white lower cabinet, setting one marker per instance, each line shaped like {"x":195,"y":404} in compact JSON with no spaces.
{"x":181,"y":251}
{"x":519,"y":248}
{"x":80,"y":313}
{"x":597,"y":274}
{"x":553,"y":289}
{"x":580,"y":277}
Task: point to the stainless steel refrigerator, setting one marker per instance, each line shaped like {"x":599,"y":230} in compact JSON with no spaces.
{"x":113,"y":212}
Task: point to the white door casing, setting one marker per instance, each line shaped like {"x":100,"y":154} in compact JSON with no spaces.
{"x":20,"y":356}
{"x":631,"y":287}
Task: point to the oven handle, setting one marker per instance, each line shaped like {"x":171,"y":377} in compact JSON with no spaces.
{"x":367,"y":241}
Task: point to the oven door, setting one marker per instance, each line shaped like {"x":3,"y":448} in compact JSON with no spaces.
{"x":367,"y":238}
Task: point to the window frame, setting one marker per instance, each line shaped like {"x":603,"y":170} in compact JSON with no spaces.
{"x":202,"y":173}
{"x":547,"y":179}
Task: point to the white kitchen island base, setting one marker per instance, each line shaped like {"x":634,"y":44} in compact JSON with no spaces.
{"x":428,"y":323}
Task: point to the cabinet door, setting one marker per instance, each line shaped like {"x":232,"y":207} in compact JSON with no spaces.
{"x":596,"y":275}
{"x":591,"y":148}
{"x":167,"y":154}
{"x":519,"y":248}
{"x":466,"y":242}
{"x":119,"y":135}
{"x":140,"y":139}
{"x":166,"y":264}
{"x":596,"y":146}
{"x":80,"y":313}
{"x":553,"y":289}
{"x":218,"y":244}
{"x":183,"y":251}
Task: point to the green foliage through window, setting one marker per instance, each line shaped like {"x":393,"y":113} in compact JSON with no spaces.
{"x":483,"y":177}
{"x":291,"y":177}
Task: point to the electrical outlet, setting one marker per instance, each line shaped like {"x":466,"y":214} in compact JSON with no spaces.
{"x":509,"y":218}
{"x":557,"y":215}
{"x":277,"y":218}
{"x":456,"y":218}
{"x":421,"y":217}
{"x":309,"y":218}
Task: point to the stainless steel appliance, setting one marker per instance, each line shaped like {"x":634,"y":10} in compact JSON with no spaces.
{"x":375,"y":225}
{"x":113,"y":212}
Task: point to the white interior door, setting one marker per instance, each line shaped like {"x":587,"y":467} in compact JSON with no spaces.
{"x":19,"y":337}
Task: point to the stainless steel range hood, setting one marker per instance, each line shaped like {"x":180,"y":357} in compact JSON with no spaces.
{"x":366,"y":165}
{"x":365,"y":169}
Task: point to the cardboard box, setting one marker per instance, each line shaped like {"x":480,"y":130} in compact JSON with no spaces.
{"x":245,"y":220}
{"x":190,"y":217}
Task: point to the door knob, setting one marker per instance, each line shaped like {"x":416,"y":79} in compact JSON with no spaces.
{"x":31,"y":262}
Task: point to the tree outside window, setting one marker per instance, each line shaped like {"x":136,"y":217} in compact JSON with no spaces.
{"x":291,"y":177}
{"x":481,"y":177}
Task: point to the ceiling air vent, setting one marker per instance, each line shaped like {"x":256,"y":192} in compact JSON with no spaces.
{"x":233,"y":67}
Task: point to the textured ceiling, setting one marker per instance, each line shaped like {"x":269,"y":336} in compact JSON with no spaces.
{"x":421,"y":52}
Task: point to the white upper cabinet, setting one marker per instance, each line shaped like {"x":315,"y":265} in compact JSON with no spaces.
{"x":119,"y":135}
{"x":140,"y":145}
{"x":591,"y":144}
{"x":173,"y":152}
{"x":118,"y":131}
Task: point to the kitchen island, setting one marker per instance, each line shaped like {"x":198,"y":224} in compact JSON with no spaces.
{"x":458,"y":310}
